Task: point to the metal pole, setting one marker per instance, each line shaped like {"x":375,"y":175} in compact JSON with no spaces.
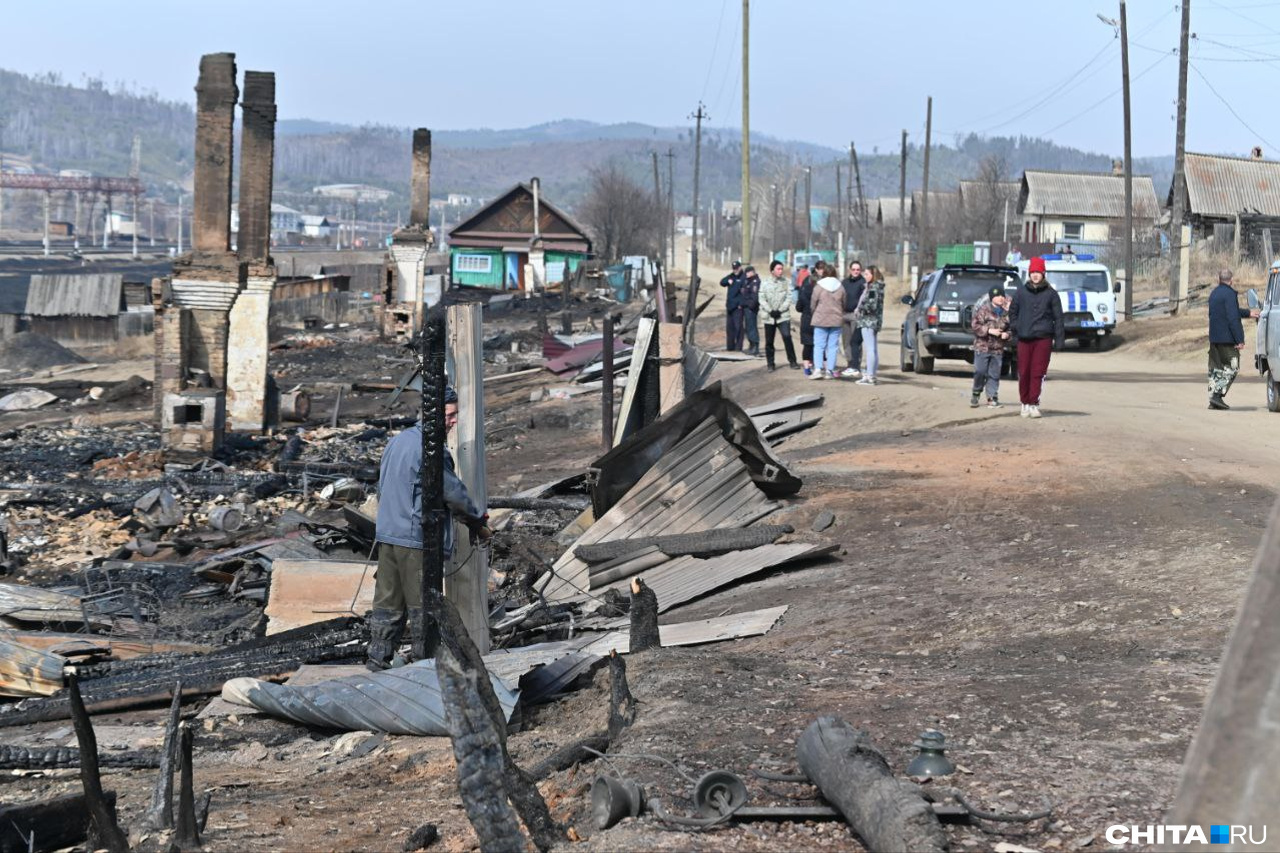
{"x":746,"y":134}
{"x":691,"y":320}
{"x":46,"y":223}
{"x":135,"y":225}
{"x":151,"y":229}
{"x":1128,"y":167}
{"x":808,"y":208}
{"x":671,"y":204}
{"x":606,"y":389}
{"x":924,"y":195}
{"x":179,"y":223}
{"x":1179,"y":163}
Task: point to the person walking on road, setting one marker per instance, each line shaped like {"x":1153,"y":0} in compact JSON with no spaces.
{"x":732,"y":320}
{"x":804,"y":299}
{"x":1226,"y":338}
{"x":1035,"y":318}
{"x":990,"y":331}
{"x":868,"y":317}
{"x":850,"y":337}
{"x":749,"y":307}
{"x":397,"y":590}
{"x":777,"y":297}
{"x":827,"y":308}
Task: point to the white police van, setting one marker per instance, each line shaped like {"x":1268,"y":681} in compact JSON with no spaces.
{"x":1087,"y":292}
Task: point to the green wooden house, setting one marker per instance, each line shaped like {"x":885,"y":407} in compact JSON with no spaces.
{"x":491,"y":247}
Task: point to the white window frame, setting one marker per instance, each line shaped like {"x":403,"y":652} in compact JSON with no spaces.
{"x":1067,"y":234}
{"x":474,"y":263}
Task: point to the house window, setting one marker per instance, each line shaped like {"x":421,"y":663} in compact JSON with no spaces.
{"x":1073,"y":231}
{"x":475,"y":263}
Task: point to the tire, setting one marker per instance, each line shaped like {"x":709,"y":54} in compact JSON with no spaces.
{"x":905,"y":361}
{"x":1009,"y":368}
{"x":923,"y":363}
{"x":1273,"y":393}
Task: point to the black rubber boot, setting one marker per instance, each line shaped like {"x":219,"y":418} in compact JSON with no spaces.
{"x":416,"y":626}
{"x":386,"y":627}
{"x":1216,"y":402}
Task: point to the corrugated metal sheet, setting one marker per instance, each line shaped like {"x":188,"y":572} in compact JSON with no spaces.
{"x":890,"y":211}
{"x":686,"y":578}
{"x":1226,"y":186}
{"x":13,"y":294}
{"x":1085,"y":194}
{"x":700,"y":484}
{"x":979,"y":192}
{"x":89,"y":295}
{"x":749,"y":624}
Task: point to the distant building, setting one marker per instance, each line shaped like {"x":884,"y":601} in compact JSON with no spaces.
{"x":491,"y":247}
{"x":888,"y":211}
{"x":1221,"y":189}
{"x":1080,"y":207}
{"x":459,"y":200}
{"x":353,"y":192}
{"x":285,"y":221}
{"x":312,"y":225}
{"x":81,"y":310}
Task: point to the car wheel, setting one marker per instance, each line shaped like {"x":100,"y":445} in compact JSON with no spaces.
{"x":1273,"y":393}
{"x":923,"y":363}
{"x":905,"y":363}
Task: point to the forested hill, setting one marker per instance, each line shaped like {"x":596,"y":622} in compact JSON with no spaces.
{"x":49,"y":124}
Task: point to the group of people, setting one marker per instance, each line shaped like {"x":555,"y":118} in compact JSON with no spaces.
{"x":836,"y":316}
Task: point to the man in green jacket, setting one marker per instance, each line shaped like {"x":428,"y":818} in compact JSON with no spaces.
{"x":777,"y":298}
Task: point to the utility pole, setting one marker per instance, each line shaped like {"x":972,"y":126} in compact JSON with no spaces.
{"x":657,"y":200}
{"x":857,"y":174}
{"x":848,"y":229}
{"x":794,"y":190}
{"x":924,"y":195}
{"x":902,"y":198}
{"x":808,"y":208}
{"x":671,"y":202}
{"x":179,"y":221}
{"x":840,"y":204}
{"x":1179,"y":162}
{"x":151,"y":229}
{"x":690,"y":320}
{"x":1128,"y":168}
{"x":746,"y":133}
{"x":773,"y":222}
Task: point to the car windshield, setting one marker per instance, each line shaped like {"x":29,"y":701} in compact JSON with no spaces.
{"x":1093,"y":281}
{"x":969,"y":286}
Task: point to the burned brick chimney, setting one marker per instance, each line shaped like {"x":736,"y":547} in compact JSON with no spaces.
{"x":420,"y":181}
{"x":257,"y":158}
{"x":216,"y":95}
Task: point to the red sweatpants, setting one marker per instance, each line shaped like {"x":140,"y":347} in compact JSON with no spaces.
{"x":1033,"y":364}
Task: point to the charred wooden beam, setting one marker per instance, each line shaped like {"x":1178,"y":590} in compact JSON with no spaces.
{"x":578,"y":752}
{"x":187,"y":835}
{"x":886,"y":813}
{"x":138,"y":685}
{"x":105,"y":831}
{"x":54,"y":824}
{"x":644,"y":617}
{"x":159,"y":814}
{"x":61,"y":757}
{"x":501,"y":502}
{"x":622,"y":705}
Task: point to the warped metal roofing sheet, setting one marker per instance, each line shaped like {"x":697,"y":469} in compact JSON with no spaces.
{"x":1085,"y":194}
{"x":87,"y":295}
{"x":1226,"y":186}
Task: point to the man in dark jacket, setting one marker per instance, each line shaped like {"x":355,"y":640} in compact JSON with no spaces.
{"x":749,"y":308}
{"x":397,"y":590}
{"x":732,"y":300}
{"x":1035,"y":319}
{"x":1226,"y":338}
{"x":850,"y":337}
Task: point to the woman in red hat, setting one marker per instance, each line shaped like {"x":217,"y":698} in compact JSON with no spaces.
{"x":1035,"y":318}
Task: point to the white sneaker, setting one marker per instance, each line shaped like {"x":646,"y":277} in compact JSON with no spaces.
{"x":851,"y":372}
{"x":818,"y":374}
{"x":1034,"y":412}
{"x":1026,"y":411}
{"x":866,"y":380}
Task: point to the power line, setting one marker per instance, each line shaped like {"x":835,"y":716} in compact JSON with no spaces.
{"x":1102,"y":101}
{"x":715,"y":47}
{"x":1230,"y":108}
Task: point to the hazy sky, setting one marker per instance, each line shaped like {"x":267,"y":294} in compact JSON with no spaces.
{"x":826,"y":71}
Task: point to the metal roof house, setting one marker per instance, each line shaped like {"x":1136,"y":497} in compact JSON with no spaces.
{"x":1080,"y":206}
{"x":1219,"y":189}
{"x":491,"y":247}
{"x":889,"y":211}
{"x":83,"y":309}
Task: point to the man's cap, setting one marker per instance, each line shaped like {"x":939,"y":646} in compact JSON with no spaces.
{"x":1036,"y":265}
{"x":996,"y":291}
{"x":1225,"y":276}
{"x":750,"y":268}
{"x":737,"y":263}
{"x":450,"y":395}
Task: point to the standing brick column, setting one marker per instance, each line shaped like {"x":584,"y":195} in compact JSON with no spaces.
{"x":257,"y":156}
{"x":420,"y":180}
{"x":216,"y":95}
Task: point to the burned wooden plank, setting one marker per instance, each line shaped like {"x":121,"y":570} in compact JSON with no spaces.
{"x":64,"y":757}
{"x":159,"y":814}
{"x":25,"y":671}
{"x":644,"y":617}
{"x":186,"y":835}
{"x":53,"y":824}
{"x":885,"y":812}
{"x":105,"y":831}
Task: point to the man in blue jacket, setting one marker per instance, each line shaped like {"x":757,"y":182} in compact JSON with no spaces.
{"x":397,"y":590}
{"x":1226,"y":338}
{"x":732,"y":302}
